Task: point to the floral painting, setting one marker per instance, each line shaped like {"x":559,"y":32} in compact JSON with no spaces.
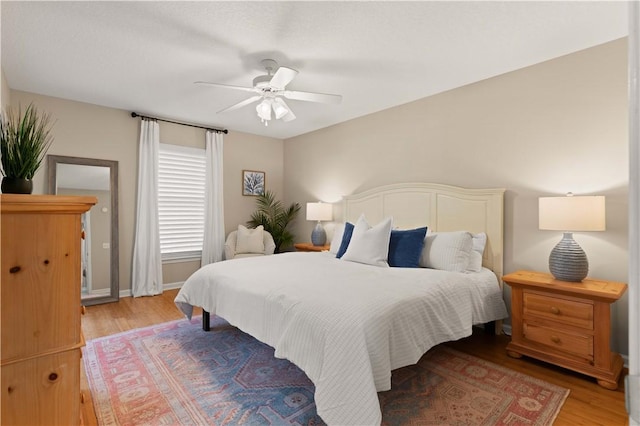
{"x":252,"y":182}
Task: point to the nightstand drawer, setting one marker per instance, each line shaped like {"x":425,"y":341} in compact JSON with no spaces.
{"x":576,"y":344}
{"x":569,"y":312}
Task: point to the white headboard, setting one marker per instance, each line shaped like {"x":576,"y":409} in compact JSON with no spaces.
{"x":440,"y":208}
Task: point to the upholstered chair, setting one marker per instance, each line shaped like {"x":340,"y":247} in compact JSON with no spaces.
{"x":248,"y":242}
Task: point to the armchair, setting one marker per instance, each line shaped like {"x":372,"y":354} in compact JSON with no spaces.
{"x":231,"y":244}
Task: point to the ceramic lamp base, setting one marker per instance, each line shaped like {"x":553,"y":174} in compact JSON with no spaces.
{"x":568,"y":262}
{"x":318,"y":236}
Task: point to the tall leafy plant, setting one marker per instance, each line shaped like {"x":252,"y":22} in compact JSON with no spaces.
{"x":275,"y":218}
{"x":24,"y":141}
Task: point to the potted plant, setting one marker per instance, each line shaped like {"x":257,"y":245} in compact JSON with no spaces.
{"x":24,"y":141}
{"x":274,"y":218}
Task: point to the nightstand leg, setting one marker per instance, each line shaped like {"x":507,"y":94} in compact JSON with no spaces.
{"x":607,"y":384}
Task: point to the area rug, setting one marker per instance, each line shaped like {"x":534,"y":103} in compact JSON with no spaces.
{"x":176,"y":374}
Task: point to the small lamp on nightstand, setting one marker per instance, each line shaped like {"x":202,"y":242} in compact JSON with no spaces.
{"x":567,"y":261}
{"x":319,"y":211}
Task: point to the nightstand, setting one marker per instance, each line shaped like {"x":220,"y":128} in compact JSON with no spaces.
{"x":310,"y":247}
{"x":565,"y":323}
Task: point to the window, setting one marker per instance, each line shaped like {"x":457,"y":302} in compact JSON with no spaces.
{"x":181,"y":178}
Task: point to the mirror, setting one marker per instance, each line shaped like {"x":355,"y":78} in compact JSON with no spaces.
{"x":98,"y":178}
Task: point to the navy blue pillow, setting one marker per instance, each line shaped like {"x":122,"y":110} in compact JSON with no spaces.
{"x":346,"y":238}
{"x":405,"y":247}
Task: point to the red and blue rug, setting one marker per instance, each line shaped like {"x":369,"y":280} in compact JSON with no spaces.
{"x":176,"y":374}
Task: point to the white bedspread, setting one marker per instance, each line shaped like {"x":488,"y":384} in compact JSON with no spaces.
{"x":347,"y":325}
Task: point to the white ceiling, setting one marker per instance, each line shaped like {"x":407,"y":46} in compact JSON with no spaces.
{"x":145,"y":56}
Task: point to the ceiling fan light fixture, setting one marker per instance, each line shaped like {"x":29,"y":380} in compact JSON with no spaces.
{"x":264,"y":110}
{"x":280,"y":108}
{"x":269,"y":90}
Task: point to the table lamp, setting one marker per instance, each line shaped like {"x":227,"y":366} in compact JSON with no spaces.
{"x":319,"y":211}
{"x":567,"y":261}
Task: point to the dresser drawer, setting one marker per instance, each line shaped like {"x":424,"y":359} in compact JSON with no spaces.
{"x":570,"y":343}
{"x":40,"y":291}
{"x":42,"y":391}
{"x":564,"y":311}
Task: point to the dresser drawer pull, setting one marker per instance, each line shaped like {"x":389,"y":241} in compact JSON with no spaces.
{"x":555,"y":339}
{"x":555,"y":311}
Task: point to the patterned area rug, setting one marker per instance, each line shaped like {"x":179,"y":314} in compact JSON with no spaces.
{"x":176,"y":374}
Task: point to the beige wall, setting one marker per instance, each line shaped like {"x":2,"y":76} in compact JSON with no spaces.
{"x":85,"y":130}
{"x":5,"y":92}
{"x":548,"y":129}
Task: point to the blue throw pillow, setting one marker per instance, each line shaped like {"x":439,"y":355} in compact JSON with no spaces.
{"x":346,"y":238}
{"x":405,"y":247}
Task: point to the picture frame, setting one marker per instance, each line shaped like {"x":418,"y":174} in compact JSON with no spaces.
{"x":253,"y":182}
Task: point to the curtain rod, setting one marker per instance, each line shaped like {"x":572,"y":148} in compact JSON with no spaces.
{"x":213,"y":129}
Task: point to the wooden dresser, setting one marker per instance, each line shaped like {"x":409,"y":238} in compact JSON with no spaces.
{"x":40,"y":318}
{"x":565,"y":323}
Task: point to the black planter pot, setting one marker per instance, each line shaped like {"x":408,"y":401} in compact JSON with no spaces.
{"x":16,"y":185}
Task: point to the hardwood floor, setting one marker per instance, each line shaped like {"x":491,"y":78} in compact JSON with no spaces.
{"x":587,"y":403}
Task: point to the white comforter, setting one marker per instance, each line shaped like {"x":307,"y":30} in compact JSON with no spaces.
{"x":347,"y":325}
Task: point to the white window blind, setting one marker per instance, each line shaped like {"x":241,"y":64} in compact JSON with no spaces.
{"x":181,"y":179}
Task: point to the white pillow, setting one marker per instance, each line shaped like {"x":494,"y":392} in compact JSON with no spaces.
{"x":250,"y":240}
{"x":336,"y":240}
{"x":479,"y":241}
{"x":448,"y":251}
{"x":368,"y":244}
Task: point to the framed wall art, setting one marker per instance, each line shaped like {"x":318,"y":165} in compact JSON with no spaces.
{"x":253,"y":182}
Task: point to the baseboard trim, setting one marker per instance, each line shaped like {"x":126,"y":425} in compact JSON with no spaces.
{"x":165,"y":286}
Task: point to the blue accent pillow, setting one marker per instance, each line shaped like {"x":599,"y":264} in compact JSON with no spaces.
{"x":346,"y":238}
{"x":405,"y":247}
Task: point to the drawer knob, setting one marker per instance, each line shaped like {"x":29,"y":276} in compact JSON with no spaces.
{"x":555,"y":311}
{"x":555,"y":339}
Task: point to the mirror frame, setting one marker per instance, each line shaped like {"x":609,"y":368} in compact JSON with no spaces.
{"x":52,"y":162}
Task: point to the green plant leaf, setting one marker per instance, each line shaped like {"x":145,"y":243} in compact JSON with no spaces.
{"x":275,"y":219}
{"x":25,"y":139}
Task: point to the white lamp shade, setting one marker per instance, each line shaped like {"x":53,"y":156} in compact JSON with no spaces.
{"x":264,"y":109}
{"x":319,"y":211}
{"x":280,"y":108}
{"x":572,"y":213}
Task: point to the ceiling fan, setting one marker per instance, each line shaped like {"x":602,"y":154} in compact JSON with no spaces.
{"x":271,"y":88}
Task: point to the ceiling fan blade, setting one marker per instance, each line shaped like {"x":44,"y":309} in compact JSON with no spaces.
{"x":240,"y":104}
{"x":225,"y":86}
{"x":282,"y":77}
{"x":312,"y":97}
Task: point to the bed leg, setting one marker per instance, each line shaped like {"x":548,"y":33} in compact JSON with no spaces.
{"x":490,"y":328}
{"x":206,"y":317}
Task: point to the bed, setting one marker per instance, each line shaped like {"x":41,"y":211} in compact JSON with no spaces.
{"x":348,"y":324}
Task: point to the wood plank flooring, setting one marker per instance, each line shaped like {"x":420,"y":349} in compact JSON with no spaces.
{"x":588,"y":404}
